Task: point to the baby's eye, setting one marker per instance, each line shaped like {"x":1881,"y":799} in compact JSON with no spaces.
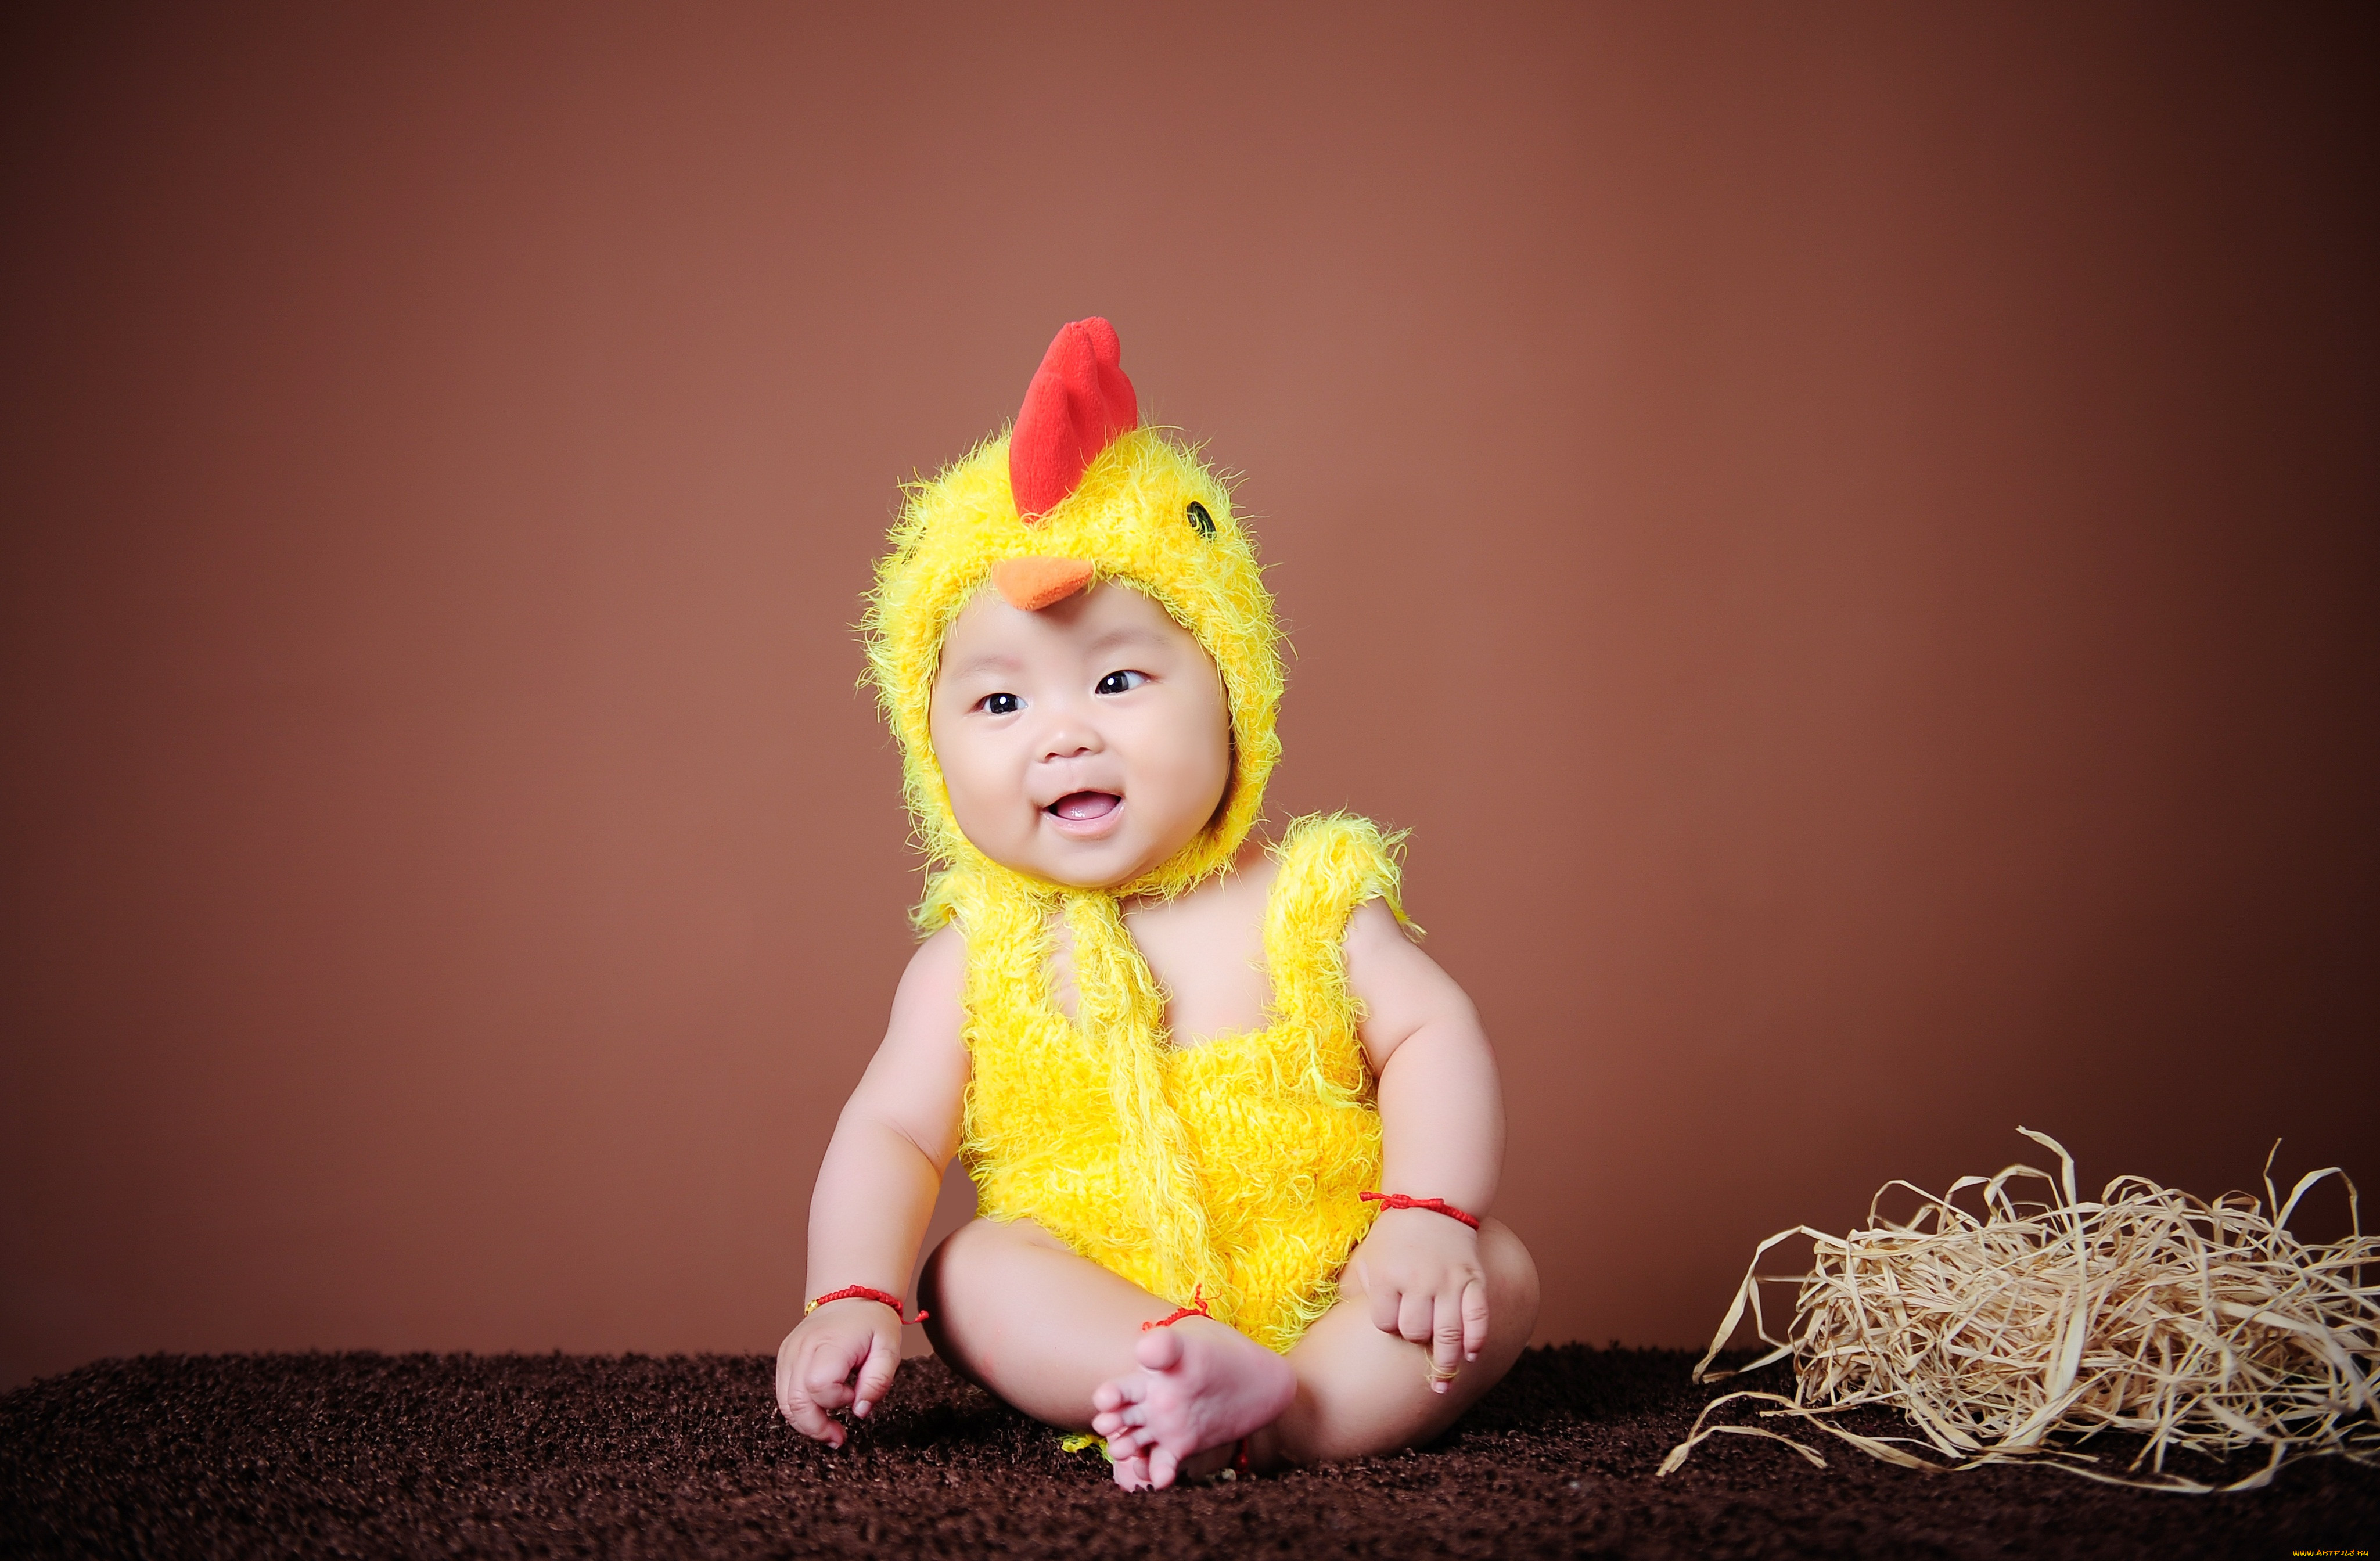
{"x":1120,"y":683}
{"x":999,"y":704}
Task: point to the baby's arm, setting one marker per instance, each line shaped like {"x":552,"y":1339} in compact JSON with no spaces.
{"x":875,"y":1195}
{"x":1442,"y":1130}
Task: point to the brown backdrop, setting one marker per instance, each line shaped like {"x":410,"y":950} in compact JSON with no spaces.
{"x":1851,"y":535}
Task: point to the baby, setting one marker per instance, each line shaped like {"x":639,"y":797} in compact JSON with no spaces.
{"x":1234,"y":1135}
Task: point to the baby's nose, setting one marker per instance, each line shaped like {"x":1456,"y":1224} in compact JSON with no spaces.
{"x":1072,"y":732}
{"x":1070,"y":739}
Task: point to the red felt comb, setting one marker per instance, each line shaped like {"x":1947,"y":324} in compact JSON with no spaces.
{"x":1076,"y":405}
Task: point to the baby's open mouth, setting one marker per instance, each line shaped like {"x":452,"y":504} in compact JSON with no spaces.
{"x":1081,"y":808}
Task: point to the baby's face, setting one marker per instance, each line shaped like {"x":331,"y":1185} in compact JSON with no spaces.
{"x":1084,"y":744}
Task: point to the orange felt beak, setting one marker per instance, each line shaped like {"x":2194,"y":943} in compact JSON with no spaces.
{"x":1031,"y":584}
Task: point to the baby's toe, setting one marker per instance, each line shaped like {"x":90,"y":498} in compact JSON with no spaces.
{"x":1122,"y":1392}
{"x":1158,"y":1350}
{"x":1162,"y":1466}
{"x":1132,"y":1474}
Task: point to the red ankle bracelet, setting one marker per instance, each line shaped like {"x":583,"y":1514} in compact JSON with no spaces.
{"x":1197,"y":1308}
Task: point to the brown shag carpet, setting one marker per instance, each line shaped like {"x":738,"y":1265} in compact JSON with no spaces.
{"x":423,"y":1456}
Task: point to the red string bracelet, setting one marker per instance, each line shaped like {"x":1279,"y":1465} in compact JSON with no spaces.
{"x":1435,"y":1205}
{"x":1197,"y":1308}
{"x":861,"y":1292}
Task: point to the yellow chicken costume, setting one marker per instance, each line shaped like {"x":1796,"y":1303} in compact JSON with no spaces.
{"x":1227,"y":1172}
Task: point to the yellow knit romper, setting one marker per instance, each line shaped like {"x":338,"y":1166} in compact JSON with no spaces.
{"x":1230,"y":1169}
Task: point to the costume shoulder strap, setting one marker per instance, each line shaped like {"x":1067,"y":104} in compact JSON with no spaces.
{"x":1330,"y":864}
{"x":1007,"y":941}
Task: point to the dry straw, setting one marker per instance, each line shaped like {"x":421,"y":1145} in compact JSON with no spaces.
{"x":2204,"y":1327}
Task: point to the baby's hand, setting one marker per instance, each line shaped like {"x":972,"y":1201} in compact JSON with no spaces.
{"x":1422,"y":1274}
{"x":818,"y":1360}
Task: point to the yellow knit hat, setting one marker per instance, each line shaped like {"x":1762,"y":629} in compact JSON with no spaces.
{"x":1075,"y":493}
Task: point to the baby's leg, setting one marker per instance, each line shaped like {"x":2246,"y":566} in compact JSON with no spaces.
{"x":1362,"y":1392}
{"x":1059,"y":1336}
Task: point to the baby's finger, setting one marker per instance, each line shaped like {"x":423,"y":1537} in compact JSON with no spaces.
{"x":785,"y":1357}
{"x":875,"y":1377}
{"x":1385,"y":1301}
{"x":826,"y":1376}
{"x":807,"y":1418}
{"x":1413,"y":1316}
{"x":1475,"y":1319}
{"x":1446,"y":1342}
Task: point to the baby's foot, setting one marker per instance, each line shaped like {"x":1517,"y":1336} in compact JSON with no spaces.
{"x":1201,"y":1386}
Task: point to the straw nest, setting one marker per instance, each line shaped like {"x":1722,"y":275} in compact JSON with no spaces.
{"x":2199,"y":1326}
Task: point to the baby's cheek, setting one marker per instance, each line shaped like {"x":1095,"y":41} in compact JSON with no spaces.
{"x":968,"y":800}
{"x":986,"y":822}
{"x":1217,"y":755}
{"x":994,"y":808}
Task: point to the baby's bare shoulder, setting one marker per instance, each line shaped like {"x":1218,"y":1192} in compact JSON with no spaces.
{"x":1374,"y":930}
{"x":1401,"y":987}
{"x":942,"y":956}
{"x":928,"y":1003}
{"x":915,"y":1080}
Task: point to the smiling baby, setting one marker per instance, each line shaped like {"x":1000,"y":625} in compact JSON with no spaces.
{"x":1234,"y":1135}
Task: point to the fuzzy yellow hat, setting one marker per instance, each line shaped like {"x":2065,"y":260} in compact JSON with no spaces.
{"x":1075,"y":493}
